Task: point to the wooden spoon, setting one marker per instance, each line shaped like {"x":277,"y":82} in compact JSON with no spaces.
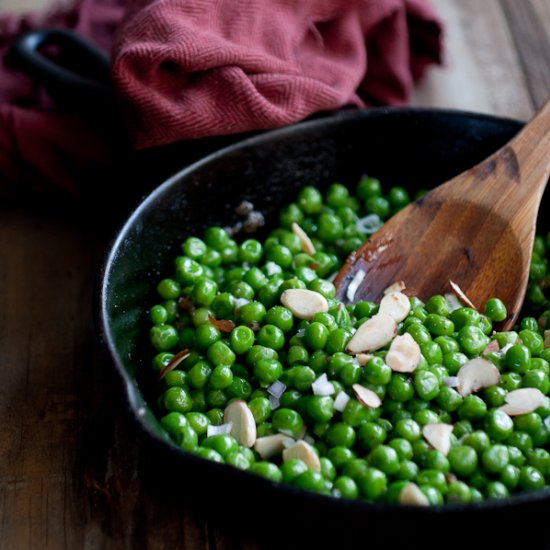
{"x":476,"y":230}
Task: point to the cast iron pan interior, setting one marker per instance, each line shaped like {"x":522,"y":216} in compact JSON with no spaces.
{"x":411,"y":147}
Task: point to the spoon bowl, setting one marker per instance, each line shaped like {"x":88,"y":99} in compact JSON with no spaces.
{"x":475,"y":231}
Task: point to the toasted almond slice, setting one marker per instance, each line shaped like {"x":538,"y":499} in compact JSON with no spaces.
{"x":243,"y":424}
{"x":461,"y":295}
{"x":174,"y":362}
{"x":438,"y":436}
{"x":305,"y":241}
{"x":491,"y":347}
{"x":398,"y":286}
{"x":304,"y":451}
{"x":523,"y":401}
{"x":404,"y":354}
{"x":396,"y":305}
{"x":366,"y":397}
{"x":413,"y":496}
{"x":363,"y":358}
{"x":373,"y":334}
{"x":475,"y":375}
{"x":303,"y":303}
{"x":272,"y":445}
{"x":547,"y":338}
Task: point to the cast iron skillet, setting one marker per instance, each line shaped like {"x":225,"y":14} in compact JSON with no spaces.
{"x":411,"y":147}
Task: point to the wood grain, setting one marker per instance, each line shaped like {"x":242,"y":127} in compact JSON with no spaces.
{"x":73,"y":471}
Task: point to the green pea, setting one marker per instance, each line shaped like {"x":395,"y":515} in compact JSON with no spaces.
{"x":494,"y":396}
{"x":239,"y":388}
{"x":288,"y":421}
{"x":340,"y":456}
{"x":420,"y":333}
{"x":311,"y":481}
{"x":176,"y":378}
{"x":268,"y":370}
{"x":345,"y":487}
{"x":303,"y":378}
{"x":432,"y":353}
{"x":268,"y":470}
{"x":253,"y":312}
{"x":188,"y":271}
{"x":408,"y":470}
{"x":199,"y":375}
{"x":340,"y":434}
{"x":158,"y":315}
{"x":337,"y":340}
{"x":495,"y":310}
{"x":209,"y":454}
{"x":206,"y":335}
{"x":426,"y":385}
{"x":221,"y":377}
{"x":530,"y":478}
{"x":438,"y":325}
{"x":510,"y":381}
{"x":372,"y":484}
{"x":472,"y":408}
{"x":463,"y":460}
{"x":163,"y":337}
{"x":495,"y":459}
{"x":438,"y":304}
{"x":448,"y":399}
{"x":385,"y":459}
{"x":198,"y":421}
{"x":458,"y":492}
{"x":472,"y":340}
{"x":447,"y":344}
{"x":177,"y":399}
{"x":453,"y":361}
{"x":532,"y":340}
{"x":241,"y":339}
{"x":463,"y":317}
{"x":376,"y":371}
{"x":498,"y":424}
{"x":432,"y":478}
{"x":529,"y":423}
{"x":518,"y":358}
{"x":521,"y":440}
{"x":220,"y":354}
{"x":400,"y":387}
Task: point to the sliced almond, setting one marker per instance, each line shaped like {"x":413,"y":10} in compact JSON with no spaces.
{"x":411,"y":495}
{"x":373,"y":334}
{"x":303,"y":303}
{"x":363,"y":358}
{"x":547,"y":338}
{"x":523,"y":401}
{"x":491,"y":347}
{"x":272,"y":445}
{"x":366,"y":397}
{"x":174,"y":362}
{"x":460,"y":293}
{"x":438,"y":436}
{"x":396,"y":305}
{"x":398,"y":286}
{"x":404,"y":354}
{"x":304,"y":451}
{"x":243,"y":427}
{"x":305,"y":241}
{"x":475,"y":375}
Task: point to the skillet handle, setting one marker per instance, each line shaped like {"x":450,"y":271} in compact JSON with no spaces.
{"x":82,"y":82}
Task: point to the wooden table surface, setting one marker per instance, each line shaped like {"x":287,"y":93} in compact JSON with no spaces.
{"x":71,"y":471}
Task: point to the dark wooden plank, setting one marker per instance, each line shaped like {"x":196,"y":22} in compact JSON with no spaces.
{"x":529,"y":22}
{"x":482,"y":71}
{"x":73,"y":470}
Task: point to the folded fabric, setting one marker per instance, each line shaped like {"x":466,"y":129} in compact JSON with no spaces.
{"x":186,"y":69}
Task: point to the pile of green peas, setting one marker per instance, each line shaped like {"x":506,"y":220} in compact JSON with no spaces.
{"x":365,"y":453}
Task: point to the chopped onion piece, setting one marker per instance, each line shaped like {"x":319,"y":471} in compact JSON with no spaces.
{"x":342,"y":400}
{"x":217,"y":430}
{"x":453,"y":301}
{"x":354,"y":285}
{"x":451,"y":381}
{"x":332,"y":276}
{"x":274,"y":402}
{"x":506,"y":348}
{"x":276,"y":389}
{"x":322,"y":386}
{"x":272,"y":268}
{"x":369,"y":224}
{"x":240,"y":302}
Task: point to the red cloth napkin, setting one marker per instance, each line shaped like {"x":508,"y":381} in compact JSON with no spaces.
{"x":194,"y":68}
